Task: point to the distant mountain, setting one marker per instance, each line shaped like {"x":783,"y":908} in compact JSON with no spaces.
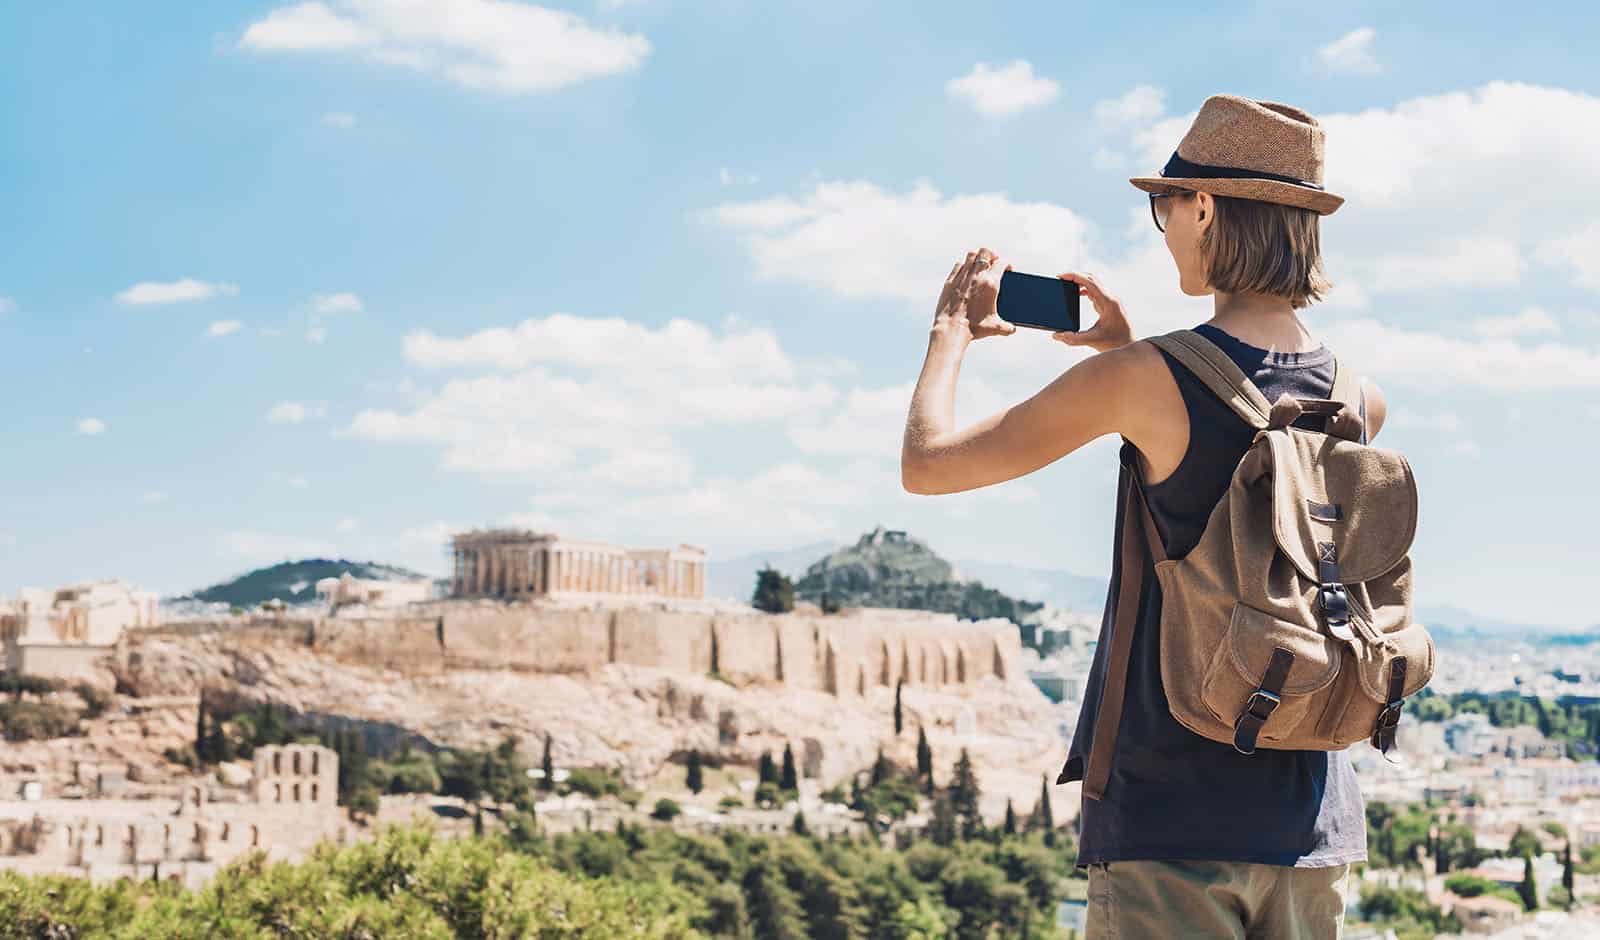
{"x":888,"y":568}
{"x":295,"y":582}
{"x":735,"y":578}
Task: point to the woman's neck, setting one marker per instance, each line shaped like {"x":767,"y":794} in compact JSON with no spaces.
{"x":1261,"y":320}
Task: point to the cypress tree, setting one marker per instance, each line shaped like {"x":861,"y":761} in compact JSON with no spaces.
{"x":694,"y":780}
{"x":964,"y":795}
{"x":201,"y":744}
{"x":800,"y":824}
{"x":924,"y":755}
{"x":790,"y":783}
{"x":942,"y":827}
{"x":880,"y":769}
{"x":1529,"y":889}
{"x":1011,"y":820}
{"x":1567,"y":880}
{"x":898,"y":723}
{"x":548,"y":765}
{"x":765,"y":772}
{"x":1042,"y":817}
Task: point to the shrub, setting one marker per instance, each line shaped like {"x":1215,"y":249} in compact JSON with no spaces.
{"x":666,"y":810}
{"x":37,"y":721}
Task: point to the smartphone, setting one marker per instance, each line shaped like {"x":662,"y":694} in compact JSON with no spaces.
{"x":1044,"y":303}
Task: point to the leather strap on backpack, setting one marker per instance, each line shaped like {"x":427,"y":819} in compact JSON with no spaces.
{"x":1262,"y":702}
{"x":1389,"y":718}
{"x":1139,"y":539}
{"x":1219,"y":372}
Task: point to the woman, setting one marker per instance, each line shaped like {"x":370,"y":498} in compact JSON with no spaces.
{"x":1190,"y":838}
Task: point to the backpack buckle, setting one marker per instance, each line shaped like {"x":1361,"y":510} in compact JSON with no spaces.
{"x":1334,"y":602}
{"x":1257,"y":709}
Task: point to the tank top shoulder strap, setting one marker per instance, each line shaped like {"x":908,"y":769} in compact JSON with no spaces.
{"x":1214,"y":367}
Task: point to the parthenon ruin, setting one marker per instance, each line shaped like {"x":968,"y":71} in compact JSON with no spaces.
{"x":514,"y":563}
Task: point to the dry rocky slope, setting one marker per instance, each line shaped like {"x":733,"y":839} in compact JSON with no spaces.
{"x":634,"y":719}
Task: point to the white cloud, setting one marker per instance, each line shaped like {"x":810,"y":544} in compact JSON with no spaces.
{"x":347,"y":524}
{"x":153,"y":496}
{"x":857,"y":240}
{"x":298,"y":483}
{"x":1422,"y":358}
{"x":342,"y":302}
{"x":1580,"y":251}
{"x":316,"y":334}
{"x":563,"y":391}
{"x":146,"y":293}
{"x":91,"y":426}
{"x":1351,"y":53}
{"x":294,"y":412}
{"x":1473,"y":261}
{"x":338,"y":119}
{"x":223,"y":327}
{"x":491,"y":45}
{"x":433,"y":533}
{"x":1530,"y":320}
{"x":1108,"y":159}
{"x":7,"y":305}
{"x":270,"y":548}
{"x":1138,"y":106}
{"x":1003,"y":91}
{"x":730,"y":178}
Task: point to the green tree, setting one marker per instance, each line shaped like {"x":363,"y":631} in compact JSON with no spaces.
{"x":942,"y":824}
{"x":548,"y":765}
{"x":1567,"y":879}
{"x":1529,"y":889}
{"x":790,"y":781}
{"x":1042,"y":818}
{"x":774,"y":592}
{"x":898,"y":715}
{"x":1524,"y":842}
{"x":924,"y":759}
{"x":964,"y":796}
{"x":666,"y":810}
{"x":881,"y":770}
{"x":773,"y":908}
{"x":766,"y":772}
{"x":1011,"y":820}
{"x":202,"y":741}
{"x":693,"y":777}
{"x":799,"y":824}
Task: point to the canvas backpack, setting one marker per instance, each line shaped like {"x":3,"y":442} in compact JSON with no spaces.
{"x":1288,"y":625}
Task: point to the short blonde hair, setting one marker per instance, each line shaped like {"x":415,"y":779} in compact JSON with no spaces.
{"x":1265,"y":248}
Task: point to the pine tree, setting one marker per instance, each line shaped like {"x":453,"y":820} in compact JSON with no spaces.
{"x":790,"y":782}
{"x":765,"y":771}
{"x":1011,"y":820}
{"x":774,"y":592}
{"x":964,"y":796}
{"x":694,"y":780}
{"x":1529,"y":889}
{"x":548,"y":765}
{"x":898,"y":715}
{"x":800,"y":824}
{"x":924,"y":755}
{"x":775,"y":912}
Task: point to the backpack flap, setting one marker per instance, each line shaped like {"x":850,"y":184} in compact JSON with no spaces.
{"x":1328,"y":489}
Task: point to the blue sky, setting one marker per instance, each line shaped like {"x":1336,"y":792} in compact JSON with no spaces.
{"x":285,"y":279}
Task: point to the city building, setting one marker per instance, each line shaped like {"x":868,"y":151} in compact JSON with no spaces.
{"x":348,"y":591}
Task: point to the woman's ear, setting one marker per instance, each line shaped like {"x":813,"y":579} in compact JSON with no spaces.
{"x":1205,"y":210}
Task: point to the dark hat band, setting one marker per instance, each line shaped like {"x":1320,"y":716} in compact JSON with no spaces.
{"x":1179,"y":168}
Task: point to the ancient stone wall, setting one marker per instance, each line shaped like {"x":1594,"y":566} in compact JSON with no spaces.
{"x":842,"y":654}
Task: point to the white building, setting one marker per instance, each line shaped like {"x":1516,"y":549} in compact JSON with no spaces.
{"x":62,"y":634}
{"x":347,"y":591}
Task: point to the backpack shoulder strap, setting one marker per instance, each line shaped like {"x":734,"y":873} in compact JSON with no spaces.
{"x":1348,"y":388}
{"x":1220,"y":374}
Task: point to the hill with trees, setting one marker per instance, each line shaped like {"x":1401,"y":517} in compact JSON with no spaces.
{"x":888,"y":568}
{"x":295,"y":582}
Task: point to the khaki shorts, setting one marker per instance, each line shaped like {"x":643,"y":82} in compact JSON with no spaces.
{"x":1141,"y":900}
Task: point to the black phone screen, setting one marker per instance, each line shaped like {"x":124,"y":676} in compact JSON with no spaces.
{"x":1044,"y":303}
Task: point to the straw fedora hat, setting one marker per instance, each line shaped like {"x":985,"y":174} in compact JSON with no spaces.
{"x":1252,"y":150}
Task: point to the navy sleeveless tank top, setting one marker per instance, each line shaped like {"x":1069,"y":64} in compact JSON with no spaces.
{"x":1174,"y":794}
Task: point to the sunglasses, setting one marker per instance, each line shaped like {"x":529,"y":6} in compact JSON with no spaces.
{"x":1159,"y":210}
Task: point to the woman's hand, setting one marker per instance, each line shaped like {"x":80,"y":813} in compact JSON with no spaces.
{"x":1110,"y":329}
{"x":968,"y":301}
